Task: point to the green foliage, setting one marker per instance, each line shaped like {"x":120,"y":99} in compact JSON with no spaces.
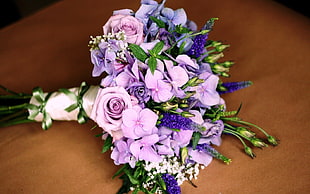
{"x":107,"y":144}
{"x":138,"y":52}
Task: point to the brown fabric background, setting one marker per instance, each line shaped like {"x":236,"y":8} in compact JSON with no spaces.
{"x":269,"y":43}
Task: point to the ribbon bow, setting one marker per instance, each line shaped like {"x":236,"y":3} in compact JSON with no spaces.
{"x":82,"y":116}
{"x":38,"y":94}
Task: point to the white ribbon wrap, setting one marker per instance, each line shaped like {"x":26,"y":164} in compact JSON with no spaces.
{"x":58,"y":102}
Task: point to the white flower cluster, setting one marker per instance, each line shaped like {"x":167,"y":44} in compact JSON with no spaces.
{"x":94,"y":41}
{"x":172,"y":166}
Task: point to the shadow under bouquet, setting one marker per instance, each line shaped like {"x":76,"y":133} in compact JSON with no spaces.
{"x":159,"y":102}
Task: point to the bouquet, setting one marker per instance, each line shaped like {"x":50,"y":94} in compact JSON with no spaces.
{"x":159,"y":102}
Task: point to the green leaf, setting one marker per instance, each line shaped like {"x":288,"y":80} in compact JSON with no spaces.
{"x":152,"y":62}
{"x":182,"y":46}
{"x":162,"y":183}
{"x":181,"y":30}
{"x":160,"y":23}
{"x":138,"y":52}
{"x":158,"y":47}
{"x":121,"y":170}
{"x":107,"y":144}
{"x":132,"y":179}
{"x":195,"y":139}
{"x":125,"y":188}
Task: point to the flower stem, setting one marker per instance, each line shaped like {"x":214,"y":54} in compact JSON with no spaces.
{"x":270,"y":138}
{"x":19,"y":106}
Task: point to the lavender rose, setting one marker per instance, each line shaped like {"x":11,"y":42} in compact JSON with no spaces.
{"x":131,"y":26}
{"x":139,"y":90}
{"x":108,"y":109}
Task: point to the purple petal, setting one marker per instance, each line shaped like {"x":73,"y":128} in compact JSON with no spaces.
{"x":130,"y":117}
{"x":210,"y":98}
{"x":212,"y":82}
{"x":164,"y":91}
{"x":122,"y":79}
{"x":168,"y":13}
{"x":197,"y":118}
{"x":151,"y":79}
{"x":184,"y":59}
{"x":148,"y":118}
{"x":179,"y":17}
{"x":135,"y":148}
{"x":123,"y":12}
{"x":149,"y":140}
{"x":148,"y":153}
{"x":183,"y":137}
{"x":200,"y":157}
{"x":121,"y":146}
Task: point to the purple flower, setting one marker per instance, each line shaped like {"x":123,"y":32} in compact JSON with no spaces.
{"x":138,"y":122}
{"x":234,"y":86}
{"x":165,"y":36}
{"x":174,"y":121}
{"x":187,"y":41}
{"x":143,"y":149}
{"x":147,"y":8}
{"x":188,"y":64}
{"x":213,"y":132}
{"x":171,"y":184}
{"x":199,"y":156}
{"x":198,"y":46}
{"x":160,"y":90}
{"x":108,"y":109}
{"x":105,"y":58}
{"x":178,"y":77}
{"x":173,"y":18}
{"x":140,"y":91}
{"x":206,"y":92}
{"x":177,"y":140}
{"x":164,"y":146}
{"x":130,"y":25}
{"x":102,"y":60}
{"x":121,"y":153}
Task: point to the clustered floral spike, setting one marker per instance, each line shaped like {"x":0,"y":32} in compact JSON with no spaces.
{"x":159,"y":102}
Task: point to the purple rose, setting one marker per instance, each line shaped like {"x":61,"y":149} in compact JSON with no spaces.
{"x":108,"y":109}
{"x":140,"y":91}
{"x":131,"y":26}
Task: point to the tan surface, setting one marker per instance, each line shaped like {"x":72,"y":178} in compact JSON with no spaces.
{"x":269,"y":43}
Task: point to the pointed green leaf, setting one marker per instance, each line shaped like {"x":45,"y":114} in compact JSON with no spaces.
{"x":162,"y":183}
{"x":107,"y":144}
{"x":152,"y":63}
{"x":181,"y":30}
{"x":132,"y":179}
{"x":195,"y":139}
{"x":138,"y":52}
{"x":160,"y":23}
{"x":158,"y":47}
